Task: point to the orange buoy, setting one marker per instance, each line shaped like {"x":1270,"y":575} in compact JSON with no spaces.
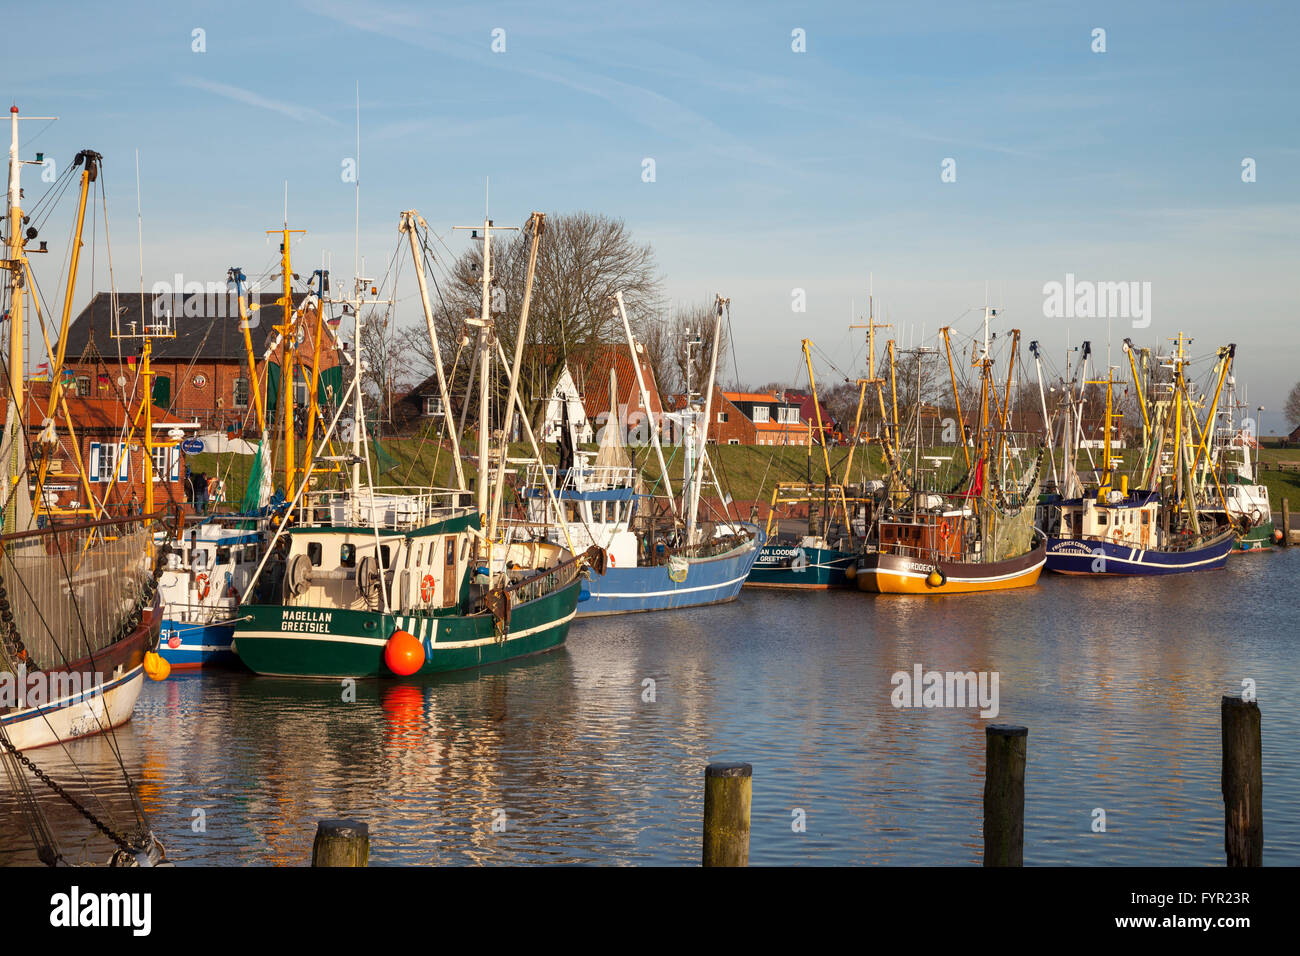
{"x":156,"y":666}
{"x":403,"y":654}
{"x":1277,"y":534}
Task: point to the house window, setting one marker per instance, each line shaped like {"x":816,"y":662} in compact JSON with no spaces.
{"x":787,"y":415}
{"x":107,"y":461}
{"x":761,"y":413}
{"x":733,"y":441}
{"x":432,"y":405}
{"x":241,"y":393}
{"x":83,"y":384}
{"x":722,"y":417}
{"x":161,"y":463}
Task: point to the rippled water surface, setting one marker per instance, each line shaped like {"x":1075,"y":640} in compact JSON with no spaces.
{"x":1119,"y":682}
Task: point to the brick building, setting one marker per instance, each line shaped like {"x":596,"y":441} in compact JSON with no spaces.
{"x":202,"y":373}
{"x":116,"y":470}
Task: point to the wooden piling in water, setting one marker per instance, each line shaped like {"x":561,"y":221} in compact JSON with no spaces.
{"x":1243,"y":783}
{"x":1286,"y":523}
{"x":728,"y":789}
{"x":341,"y":843}
{"x":1006,"y":746}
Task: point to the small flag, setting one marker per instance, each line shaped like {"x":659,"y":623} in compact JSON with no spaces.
{"x":103,"y":380}
{"x":334,"y":321}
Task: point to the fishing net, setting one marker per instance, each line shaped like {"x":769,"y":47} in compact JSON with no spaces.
{"x":73,"y":593}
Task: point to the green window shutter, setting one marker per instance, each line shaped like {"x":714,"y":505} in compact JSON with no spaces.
{"x":162,"y":391}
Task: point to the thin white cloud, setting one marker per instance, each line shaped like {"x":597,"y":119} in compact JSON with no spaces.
{"x":303,"y":114}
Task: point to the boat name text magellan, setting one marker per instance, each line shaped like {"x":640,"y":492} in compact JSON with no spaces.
{"x":312,"y":622}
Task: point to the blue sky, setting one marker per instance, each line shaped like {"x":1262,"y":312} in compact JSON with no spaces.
{"x":774,"y":170}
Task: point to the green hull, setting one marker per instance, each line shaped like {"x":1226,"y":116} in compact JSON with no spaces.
{"x":1256,"y":539}
{"x":317,"y":642}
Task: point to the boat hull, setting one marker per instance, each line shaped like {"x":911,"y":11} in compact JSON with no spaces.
{"x":712,"y":580}
{"x":276,"y":640}
{"x":190,"y":646}
{"x":101,"y":697}
{"x":786,"y":566}
{"x":1073,"y":556}
{"x":1258,"y":538}
{"x":882,"y":573}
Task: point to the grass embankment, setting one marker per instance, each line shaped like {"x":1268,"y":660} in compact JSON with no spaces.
{"x":747,"y":472}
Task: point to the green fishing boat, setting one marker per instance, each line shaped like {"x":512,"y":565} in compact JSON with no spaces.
{"x":389,"y":601}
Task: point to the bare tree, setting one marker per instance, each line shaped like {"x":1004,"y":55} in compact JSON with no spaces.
{"x":682,"y":342}
{"x":1292,"y":407}
{"x":388,"y":366}
{"x":583,"y":259}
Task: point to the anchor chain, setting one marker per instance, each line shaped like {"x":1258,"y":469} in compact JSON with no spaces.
{"x":42,"y":776}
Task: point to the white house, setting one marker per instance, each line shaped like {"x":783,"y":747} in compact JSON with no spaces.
{"x":566,"y":394}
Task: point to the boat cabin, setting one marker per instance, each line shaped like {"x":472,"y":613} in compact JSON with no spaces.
{"x":598,"y":503}
{"x":344,"y":567}
{"x":209,"y":567}
{"x":932,"y":535}
{"x":1112,"y":516}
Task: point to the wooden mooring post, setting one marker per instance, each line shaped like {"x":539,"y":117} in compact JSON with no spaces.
{"x":1006,"y":746}
{"x":1286,"y":523}
{"x":728,"y":789}
{"x":1243,"y":783}
{"x":341,"y":843}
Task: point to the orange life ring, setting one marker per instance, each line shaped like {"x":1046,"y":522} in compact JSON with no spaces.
{"x":944,"y":531}
{"x":202,"y":585}
{"x":1117,"y":535}
{"x":610,"y":555}
{"x":427,"y":586}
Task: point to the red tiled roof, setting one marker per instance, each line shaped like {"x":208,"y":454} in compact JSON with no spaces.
{"x":100,"y":414}
{"x":595,"y":373}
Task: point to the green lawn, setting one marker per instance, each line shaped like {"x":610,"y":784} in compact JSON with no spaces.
{"x":747,"y":472}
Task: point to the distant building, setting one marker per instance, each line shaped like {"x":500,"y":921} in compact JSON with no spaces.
{"x":202,"y":373}
{"x":777,"y":419}
{"x":117,"y":470}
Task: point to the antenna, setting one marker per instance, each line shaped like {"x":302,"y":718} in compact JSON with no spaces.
{"x":139,"y":232}
{"x":356,"y":184}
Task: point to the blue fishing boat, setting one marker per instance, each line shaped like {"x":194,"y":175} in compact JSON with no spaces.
{"x":1117,"y":531}
{"x":1120,"y":534}
{"x":650,"y":565}
{"x":208,"y":568}
{"x":655,"y":561}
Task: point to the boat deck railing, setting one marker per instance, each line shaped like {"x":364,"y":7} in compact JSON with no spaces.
{"x":393,"y":508}
{"x":582,"y":477}
{"x":931,"y":555}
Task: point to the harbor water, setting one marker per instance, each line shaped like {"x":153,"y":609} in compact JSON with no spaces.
{"x":594,"y":754}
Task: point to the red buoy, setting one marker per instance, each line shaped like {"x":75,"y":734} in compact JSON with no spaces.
{"x":404,"y":654}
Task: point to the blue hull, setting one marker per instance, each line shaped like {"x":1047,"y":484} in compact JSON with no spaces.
{"x":711,"y":580}
{"x":1072,"y":556}
{"x":186,"y":646}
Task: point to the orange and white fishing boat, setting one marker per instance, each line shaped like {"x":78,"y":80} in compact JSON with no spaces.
{"x":978,"y":539}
